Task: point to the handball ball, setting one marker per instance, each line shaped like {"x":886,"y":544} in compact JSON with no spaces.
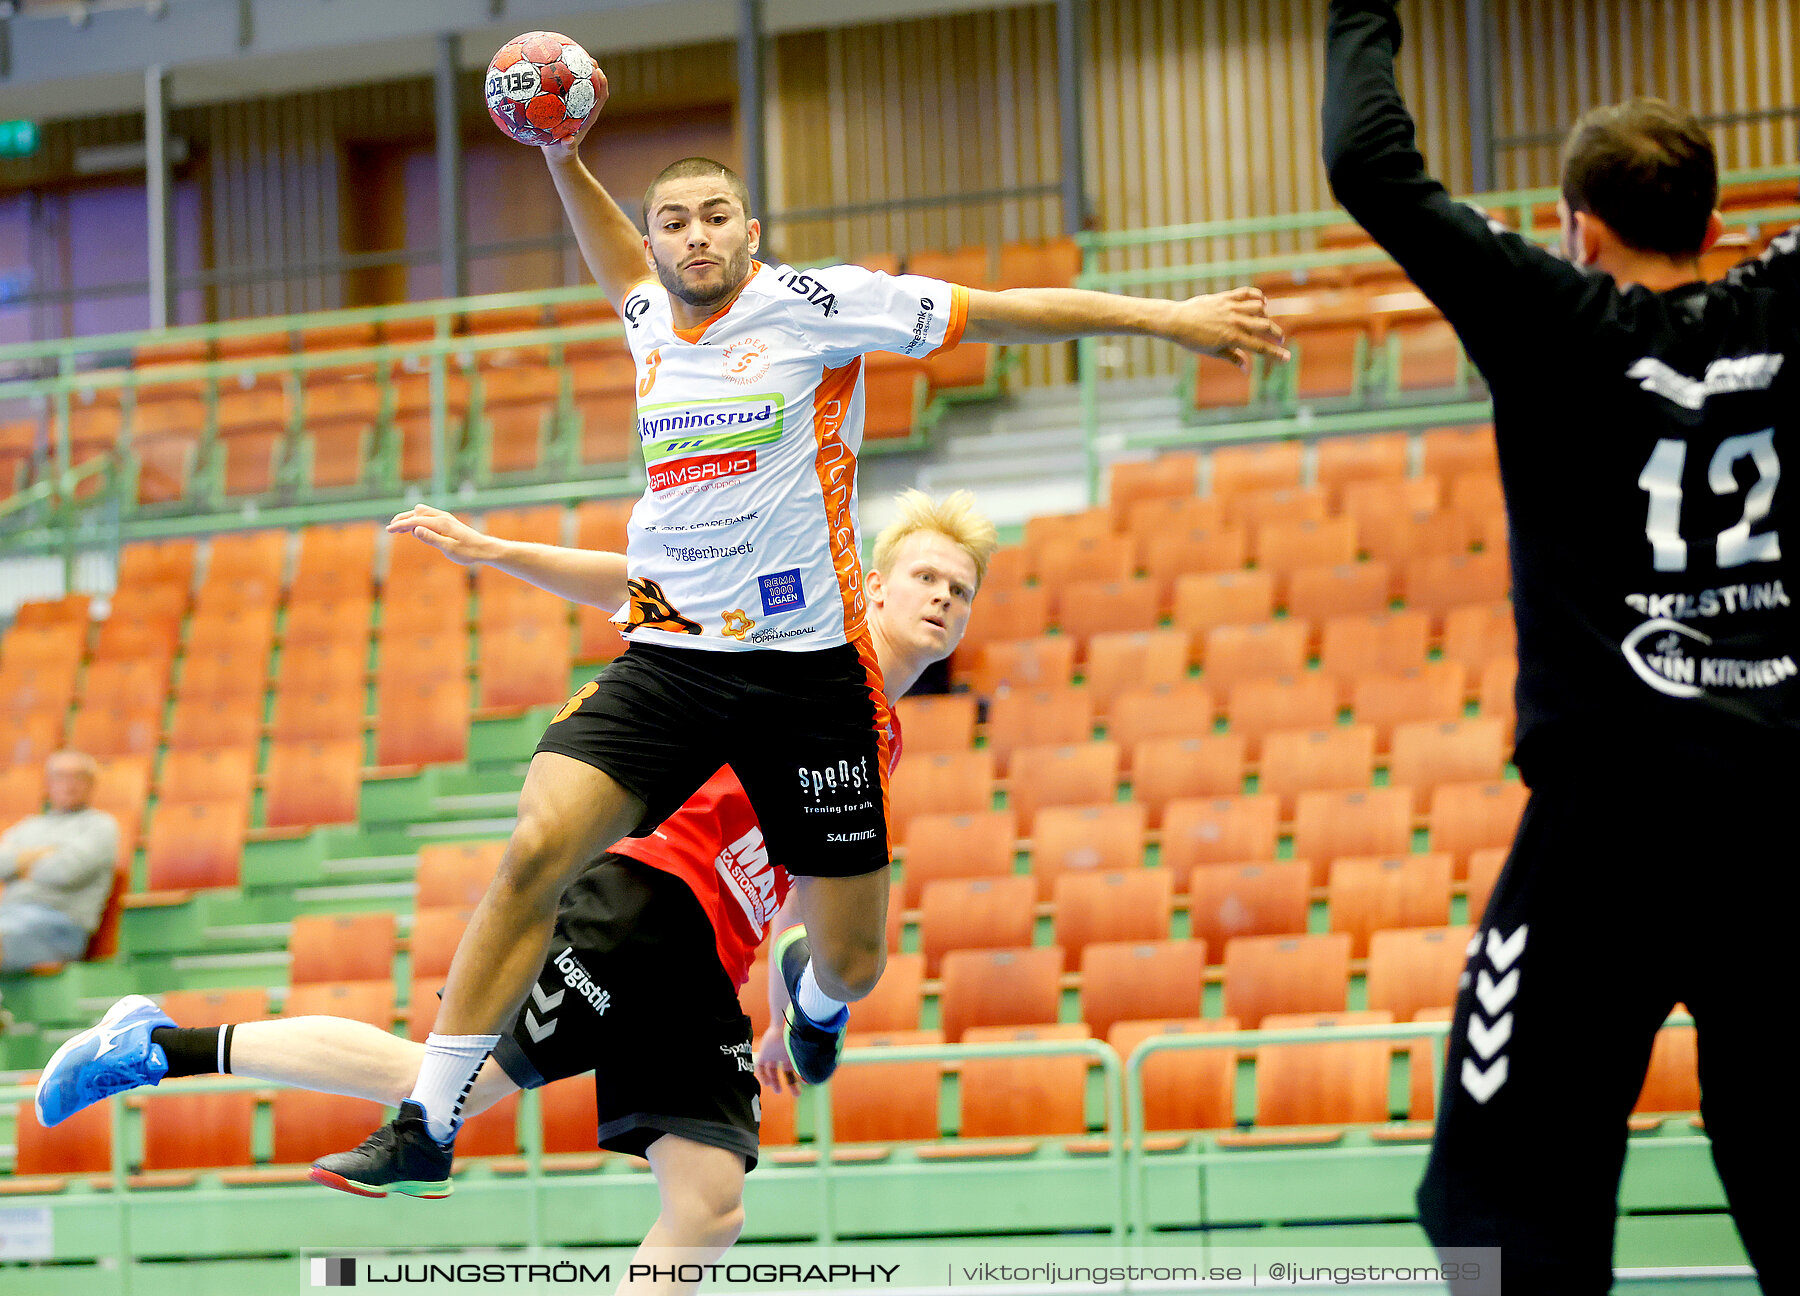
{"x":541,"y":87}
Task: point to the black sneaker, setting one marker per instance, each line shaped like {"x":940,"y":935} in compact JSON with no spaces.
{"x":812,"y":1048}
{"x":399,"y":1157}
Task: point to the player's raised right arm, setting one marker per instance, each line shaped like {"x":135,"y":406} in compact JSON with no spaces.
{"x":590,"y":576}
{"x":610,"y":244}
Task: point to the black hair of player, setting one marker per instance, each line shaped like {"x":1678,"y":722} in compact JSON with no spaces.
{"x":688,"y":168}
{"x":1649,"y":171}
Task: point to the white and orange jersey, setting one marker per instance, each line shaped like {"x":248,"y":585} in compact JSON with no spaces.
{"x":750,"y":424}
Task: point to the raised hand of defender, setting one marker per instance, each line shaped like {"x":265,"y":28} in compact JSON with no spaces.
{"x":1233,"y":325}
{"x":445,"y":532}
{"x":568,"y":148}
{"x":772,"y":1066}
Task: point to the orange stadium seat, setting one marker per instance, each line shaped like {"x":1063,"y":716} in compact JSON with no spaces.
{"x":1077,"y":774}
{"x":423,"y":724}
{"x":979,"y":913}
{"x":1480,"y":634}
{"x":492,"y":1133}
{"x":503,"y":603}
{"x":1385,"y":643}
{"x":341,"y":947}
{"x":1348,"y":589}
{"x":44,"y":1158}
{"x":1307,"y":760}
{"x":1485,"y":867}
{"x":1373,"y":893}
{"x":524,"y":666}
{"x":894,"y":394}
{"x":1087,"y":558}
{"x":149,"y":602}
{"x":157,"y":562}
{"x":1011,"y":987}
{"x":1183,"y":1088}
{"x":324,"y":621}
{"x":119,"y":639}
{"x":1398,"y":537}
{"x":1495,"y":696}
{"x":186,"y":1131}
{"x":329,"y":714}
{"x":1168,"y":554}
{"x":1431,"y":691}
{"x":1369,"y":499}
{"x":70,"y":609}
{"x":1173,"y":476}
{"x":939,"y":783}
{"x":1086,"y":839}
{"x":125,"y":684}
{"x":600,"y":524}
{"x":1285,"y":974}
{"x":1428,"y":755}
{"x":339,"y":430}
{"x":1281,"y":546}
{"x":435,"y":935}
{"x":1007,"y":612}
{"x":456,"y":874}
{"x":1416,"y":969}
{"x":947,"y":846}
{"x":1023,"y":1097}
{"x":1236,"y":653}
{"x":49,"y":690}
{"x":1087,"y":609}
{"x":1449,"y":451}
{"x":1150,"y":516}
{"x":216,"y":1007}
{"x":1050,"y":263}
{"x":539,"y":524}
{"x":1477,"y":491}
{"x":323,"y":667}
{"x":1219,"y":830}
{"x":21,"y":792}
{"x":1164,"y":770}
{"x":251,"y":631}
{"x":597,"y":635}
{"x":1347,"y":461}
{"x":1129,"y":980}
{"x":570,"y":1120}
{"x":313,"y":783}
{"x":895,"y":1002}
{"x":408,"y":613}
{"x":1467,"y":817}
{"x":887,"y":1102}
{"x":1133,"y":905}
{"x":341,"y":553}
{"x":945,"y":722}
{"x":1046,"y":662}
{"x":1265,"y":465}
{"x":224,"y":676}
{"x":1180,"y":710}
{"x":1008,"y":569}
{"x":1118,"y":662}
{"x":1367,"y":821}
{"x":42,"y":645}
{"x":1333,"y":1083}
{"x":205,"y":723}
{"x":1048,"y":528}
{"x":1230,"y":900}
{"x":30,"y":737}
{"x":1205,"y":601}
{"x":1437,"y":584}
{"x":1035,"y":717}
{"x":105,"y":731}
{"x":1260,"y":707}
{"x":309,"y":1125}
{"x":248,"y":556}
{"x":363,"y":1001}
{"x":518,"y":404}
{"x":121,"y":783}
{"x":195,"y":844}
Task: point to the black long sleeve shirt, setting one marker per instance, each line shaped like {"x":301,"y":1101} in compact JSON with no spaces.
{"x":1641,"y":438}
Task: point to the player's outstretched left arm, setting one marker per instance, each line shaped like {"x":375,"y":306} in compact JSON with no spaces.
{"x":1233,"y":325}
{"x":590,"y":576}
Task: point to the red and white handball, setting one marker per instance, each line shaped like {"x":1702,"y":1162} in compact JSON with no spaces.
{"x":541,"y":87}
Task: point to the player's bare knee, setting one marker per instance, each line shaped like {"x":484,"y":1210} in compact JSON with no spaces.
{"x":708,"y":1214}
{"x":538,"y":860}
{"x":847,"y":970}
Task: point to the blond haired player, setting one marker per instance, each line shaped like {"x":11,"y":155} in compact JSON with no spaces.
{"x":653,"y":942}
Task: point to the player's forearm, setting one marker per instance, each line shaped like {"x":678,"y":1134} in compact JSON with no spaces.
{"x":610,"y":244}
{"x":1059,"y":315}
{"x":590,"y":576}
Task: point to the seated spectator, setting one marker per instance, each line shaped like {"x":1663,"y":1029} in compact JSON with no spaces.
{"x":57,"y":869}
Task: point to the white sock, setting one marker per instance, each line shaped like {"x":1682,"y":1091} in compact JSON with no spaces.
{"x":445,"y":1078}
{"x":814,"y":1002}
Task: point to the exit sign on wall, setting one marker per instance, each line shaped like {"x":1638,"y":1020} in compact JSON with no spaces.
{"x":18,"y":138}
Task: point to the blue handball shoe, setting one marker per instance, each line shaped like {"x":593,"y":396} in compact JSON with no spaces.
{"x":812,"y":1047}
{"x":107,"y":1058}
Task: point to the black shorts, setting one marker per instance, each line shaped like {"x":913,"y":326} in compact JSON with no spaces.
{"x":634,"y":992}
{"x":807,"y":734}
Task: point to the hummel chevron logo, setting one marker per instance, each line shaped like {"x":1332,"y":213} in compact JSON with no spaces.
{"x":1483,"y":1085}
{"x":547,"y":1002}
{"x":1494,"y":997}
{"x":1489,"y":1040}
{"x":1473,"y":947}
{"x":1503,"y":953}
{"x":539,"y":1030}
